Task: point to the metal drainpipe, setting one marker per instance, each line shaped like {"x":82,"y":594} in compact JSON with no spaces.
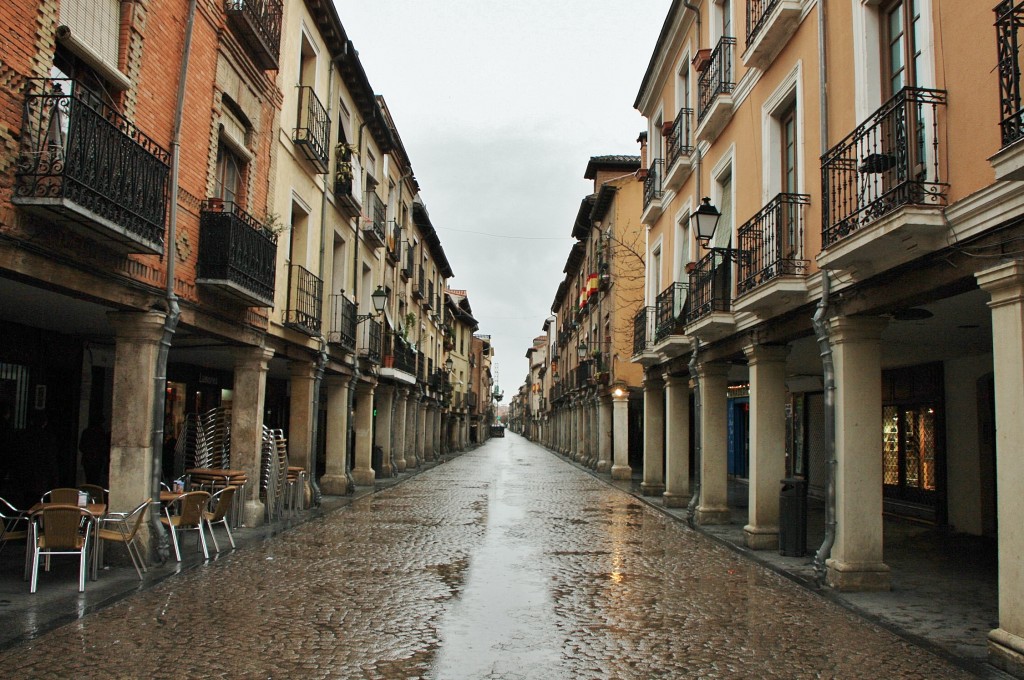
{"x":820,"y":322}
{"x":691,"y":507}
{"x":173,"y":310}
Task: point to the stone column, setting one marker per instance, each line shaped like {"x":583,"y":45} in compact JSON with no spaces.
{"x":412,"y":454}
{"x":593,"y":432}
{"x":767,"y":366}
{"x":654,"y":436}
{"x":301,"y":412}
{"x":856,"y":562}
{"x":604,"y":428}
{"x":581,"y":432}
{"x":137,"y":337}
{"x":677,"y":441}
{"x":402,"y":407}
{"x":1005,"y":284}
{"x":335,"y":481}
{"x":422,"y":440}
{"x":386,"y":426}
{"x":714,"y":469}
{"x":249,"y":393}
{"x":620,"y":434}
{"x":362,"y":469}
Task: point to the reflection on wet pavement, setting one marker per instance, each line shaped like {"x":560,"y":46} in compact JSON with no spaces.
{"x":505,"y":562}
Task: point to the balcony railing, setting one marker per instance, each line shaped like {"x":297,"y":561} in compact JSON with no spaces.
{"x":372,"y":341}
{"x":890,"y":161}
{"x":312,"y":129}
{"x":670,"y":308}
{"x":410,"y":253}
{"x":710,"y":286}
{"x":405,"y":358}
{"x":345,"y":185}
{"x":717,"y":78}
{"x":758,"y":12}
{"x":773,"y":242}
{"x":237,"y":254}
{"x":643,"y":330}
{"x":428,"y":300}
{"x":584,"y":372}
{"x":652,"y":183}
{"x":394,"y":248}
{"x":86,"y":165}
{"x":258,"y":23}
{"x":305,"y":295}
{"x":1009,"y":22}
{"x":343,"y":323}
{"x":419,"y":286}
{"x":373,"y":228}
{"x":680,"y":141}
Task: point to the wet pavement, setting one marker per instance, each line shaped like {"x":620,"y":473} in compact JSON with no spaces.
{"x":506,"y":562}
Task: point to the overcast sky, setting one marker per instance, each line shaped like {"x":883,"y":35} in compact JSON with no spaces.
{"x":500,"y":105}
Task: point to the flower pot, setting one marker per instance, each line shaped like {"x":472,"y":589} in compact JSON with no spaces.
{"x":701,"y":60}
{"x":389,"y":360}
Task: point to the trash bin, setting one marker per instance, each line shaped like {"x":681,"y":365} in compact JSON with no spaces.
{"x":377,"y":461}
{"x":793,"y":517}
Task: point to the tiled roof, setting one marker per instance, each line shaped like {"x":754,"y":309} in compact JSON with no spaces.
{"x":620,"y":161}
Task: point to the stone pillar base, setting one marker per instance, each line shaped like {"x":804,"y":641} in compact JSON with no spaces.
{"x":1006,"y":652}
{"x":708,"y":515}
{"x":364,"y":476}
{"x":400,"y":465}
{"x":334,"y":485}
{"x":603,"y":466}
{"x":858,"y":576}
{"x":622,"y":472}
{"x":652,"y":489}
{"x":252,"y":514}
{"x":674,"y":500}
{"x":761,"y":538}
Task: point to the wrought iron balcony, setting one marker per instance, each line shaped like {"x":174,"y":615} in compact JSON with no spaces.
{"x":373,"y":228}
{"x":652,"y":183}
{"x":258,"y":24}
{"x":410,"y":253}
{"x":428,"y":300}
{"x":343,"y":323}
{"x":419,"y":286}
{"x":84,"y":166}
{"x":394,"y":249}
{"x":372,"y":341}
{"x":1009,"y":20}
{"x":237,"y":254}
{"x":888,"y":162}
{"x":717,"y":78}
{"x":770,"y":25}
{"x":710,"y":286}
{"x":643,"y":330}
{"x":305,"y":296}
{"x":679,"y":143}
{"x":670,"y":307}
{"x":345,"y":187}
{"x":405,"y":357}
{"x":312,"y":129}
{"x":773,"y":241}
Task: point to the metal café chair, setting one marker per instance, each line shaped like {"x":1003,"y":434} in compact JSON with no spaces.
{"x":97,"y":494}
{"x":123,"y":527}
{"x":60,"y":529}
{"x":61,"y":495}
{"x":190,"y":507}
{"x":220,"y":503}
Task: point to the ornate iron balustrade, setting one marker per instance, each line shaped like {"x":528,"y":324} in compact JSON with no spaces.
{"x":710,"y":286}
{"x":343,"y":323}
{"x":428,"y":301}
{"x":643,"y":329}
{"x":680,"y":139}
{"x":1009,"y":21}
{"x":773,"y":241}
{"x":889,"y":161}
{"x":312,"y":129}
{"x":405,"y":358}
{"x":373,"y":335}
{"x":758,"y":12}
{"x":83,"y":161}
{"x":373,"y":228}
{"x":419,"y":286}
{"x":305,"y":295}
{"x":436,"y":380}
{"x":653,"y":182}
{"x":584,"y":372}
{"x":394,"y":249}
{"x":410,"y":253}
{"x":237,"y":254}
{"x":421,"y":367}
{"x":670,"y":306}
{"x":258,"y":22}
{"x":717,"y":78}
{"x":344,"y":181}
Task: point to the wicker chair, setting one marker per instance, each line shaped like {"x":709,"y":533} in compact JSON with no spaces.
{"x":15,"y":523}
{"x":221,"y":504}
{"x":189,"y":517}
{"x":123,"y":527}
{"x":60,"y":529}
{"x":97,"y":494}
{"x":62,"y":495}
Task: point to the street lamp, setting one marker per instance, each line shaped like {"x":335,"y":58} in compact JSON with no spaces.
{"x":581,"y":350}
{"x":379,"y":300}
{"x":449,"y":365}
{"x":706,"y":220}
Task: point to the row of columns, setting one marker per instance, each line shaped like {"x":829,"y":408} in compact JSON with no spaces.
{"x":593,"y":430}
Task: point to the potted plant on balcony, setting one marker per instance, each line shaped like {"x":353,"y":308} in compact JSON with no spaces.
{"x":701,"y":60}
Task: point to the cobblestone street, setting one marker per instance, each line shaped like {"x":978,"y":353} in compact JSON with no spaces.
{"x":506,"y":562}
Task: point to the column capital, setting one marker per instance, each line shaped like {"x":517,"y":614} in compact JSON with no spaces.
{"x":712,"y":369}
{"x":365,"y":388}
{"x":252,"y":358}
{"x":138,"y":326}
{"x":757,"y":354}
{"x":676,"y":380}
{"x":1004,"y":282}
{"x":301,"y":368}
{"x":856,"y":328}
{"x":653,"y":382}
{"x":385,"y":389}
{"x":339,"y":379}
